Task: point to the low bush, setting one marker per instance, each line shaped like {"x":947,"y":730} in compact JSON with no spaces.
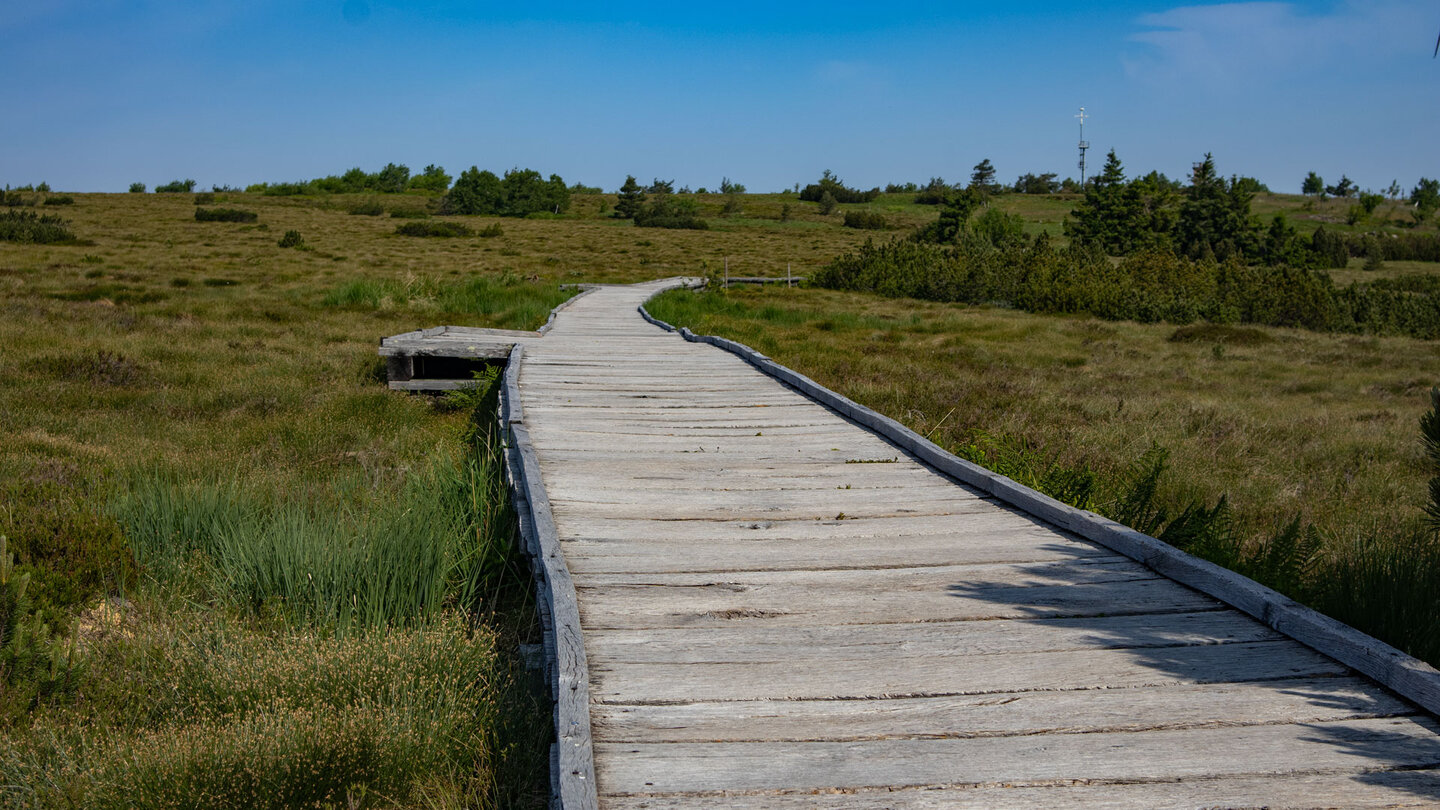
{"x":436,"y":228}
{"x":27,"y":227}
{"x":490,"y":231}
{"x":137,"y":188}
{"x":369,"y":208}
{"x":176,"y":187}
{"x":224,"y":215}
{"x":1147,"y":287}
{"x":60,"y":199}
{"x":283,"y":189}
{"x":292,"y":239}
{"x":669,"y":211}
{"x":205,"y":198}
{"x":866,"y":220}
{"x":832,"y":185}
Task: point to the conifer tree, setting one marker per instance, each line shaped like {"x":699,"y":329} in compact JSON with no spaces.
{"x":1215,"y":216}
{"x":982,"y":178}
{"x":1112,"y":216}
{"x":632,"y":196}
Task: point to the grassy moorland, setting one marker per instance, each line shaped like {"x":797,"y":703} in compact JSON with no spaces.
{"x":228,"y":529}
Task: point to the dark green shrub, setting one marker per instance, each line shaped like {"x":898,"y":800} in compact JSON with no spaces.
{"x":224,"y":215}
{"x":520,"y":193}
{"x":828,"y":204}
{"x":435,"y":228}
{"x":866,"y":220}
{"x":60,"y":199}
{"x":490,"y":231}
{"x":409,"y":213}
{"x":284,"y":189}
{"x":1036,"y":184}
{"x":670,"y":211}
{"x":934,"y":192}
{"x":27,"y":227}
{"x":292,"y":239}
{"x":997,"y":265}
{"x":369,"y":208}
{"x":832,"y":184}
{"x":176,"y":187}
{"x":205,"y":198}
{"x":137,"y":188}
{"x":433,"y":179}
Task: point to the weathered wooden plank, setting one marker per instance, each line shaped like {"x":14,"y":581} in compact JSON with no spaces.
{"x":1293,"y":791}
{"x":827,"y":503}
{"x":623,"y":432}
{"x":922,"y":639}
{"x":1365,"y":744}
{"x":485,"y":349}
{"x":605,"y":477}
{"x":882,"y":596}
{"x":999,"y":541}
{"x":1144,"y":708}
{"x":899,"y":528}
{"x":825,"y":677}
{"x":775,"y":506}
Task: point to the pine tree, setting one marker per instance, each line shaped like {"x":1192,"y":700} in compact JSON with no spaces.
{"x":982,"y":178}
{"x":1215,"y":217}
{"x":1112,"y":216}
{"x":632,"y":196}
{"x":1313,"y":184}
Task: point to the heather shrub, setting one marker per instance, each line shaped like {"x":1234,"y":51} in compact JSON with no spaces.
{"x":224,"y":215}
{"x":435,"y":228}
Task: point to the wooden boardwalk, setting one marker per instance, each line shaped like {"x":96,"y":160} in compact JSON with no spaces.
{"x":781,"y":609}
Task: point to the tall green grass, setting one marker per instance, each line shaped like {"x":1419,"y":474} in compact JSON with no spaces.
{"x":443,"y":540}
{"x":518,"y":304}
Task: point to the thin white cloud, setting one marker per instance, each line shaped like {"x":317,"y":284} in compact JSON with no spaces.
{"x":1217,"y":46}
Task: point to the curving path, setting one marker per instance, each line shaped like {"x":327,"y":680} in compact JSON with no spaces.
{"x":781,"y":609}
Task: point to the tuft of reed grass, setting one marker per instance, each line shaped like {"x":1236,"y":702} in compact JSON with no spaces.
{"x":444,"y":540}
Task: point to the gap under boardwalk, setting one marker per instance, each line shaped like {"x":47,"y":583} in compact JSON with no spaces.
{"x":781,"y":609}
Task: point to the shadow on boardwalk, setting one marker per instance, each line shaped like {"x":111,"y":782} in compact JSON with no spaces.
{"x":1379,"y":753}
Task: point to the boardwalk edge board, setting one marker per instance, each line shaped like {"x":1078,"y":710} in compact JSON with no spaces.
{"x":572,"y":764}
{"x":1408,"y":676}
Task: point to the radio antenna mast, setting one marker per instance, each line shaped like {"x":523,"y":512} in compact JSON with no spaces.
{"x":1084,"y":144}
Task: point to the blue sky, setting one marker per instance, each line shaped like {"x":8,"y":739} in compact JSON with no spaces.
{"x":103,"y":93}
